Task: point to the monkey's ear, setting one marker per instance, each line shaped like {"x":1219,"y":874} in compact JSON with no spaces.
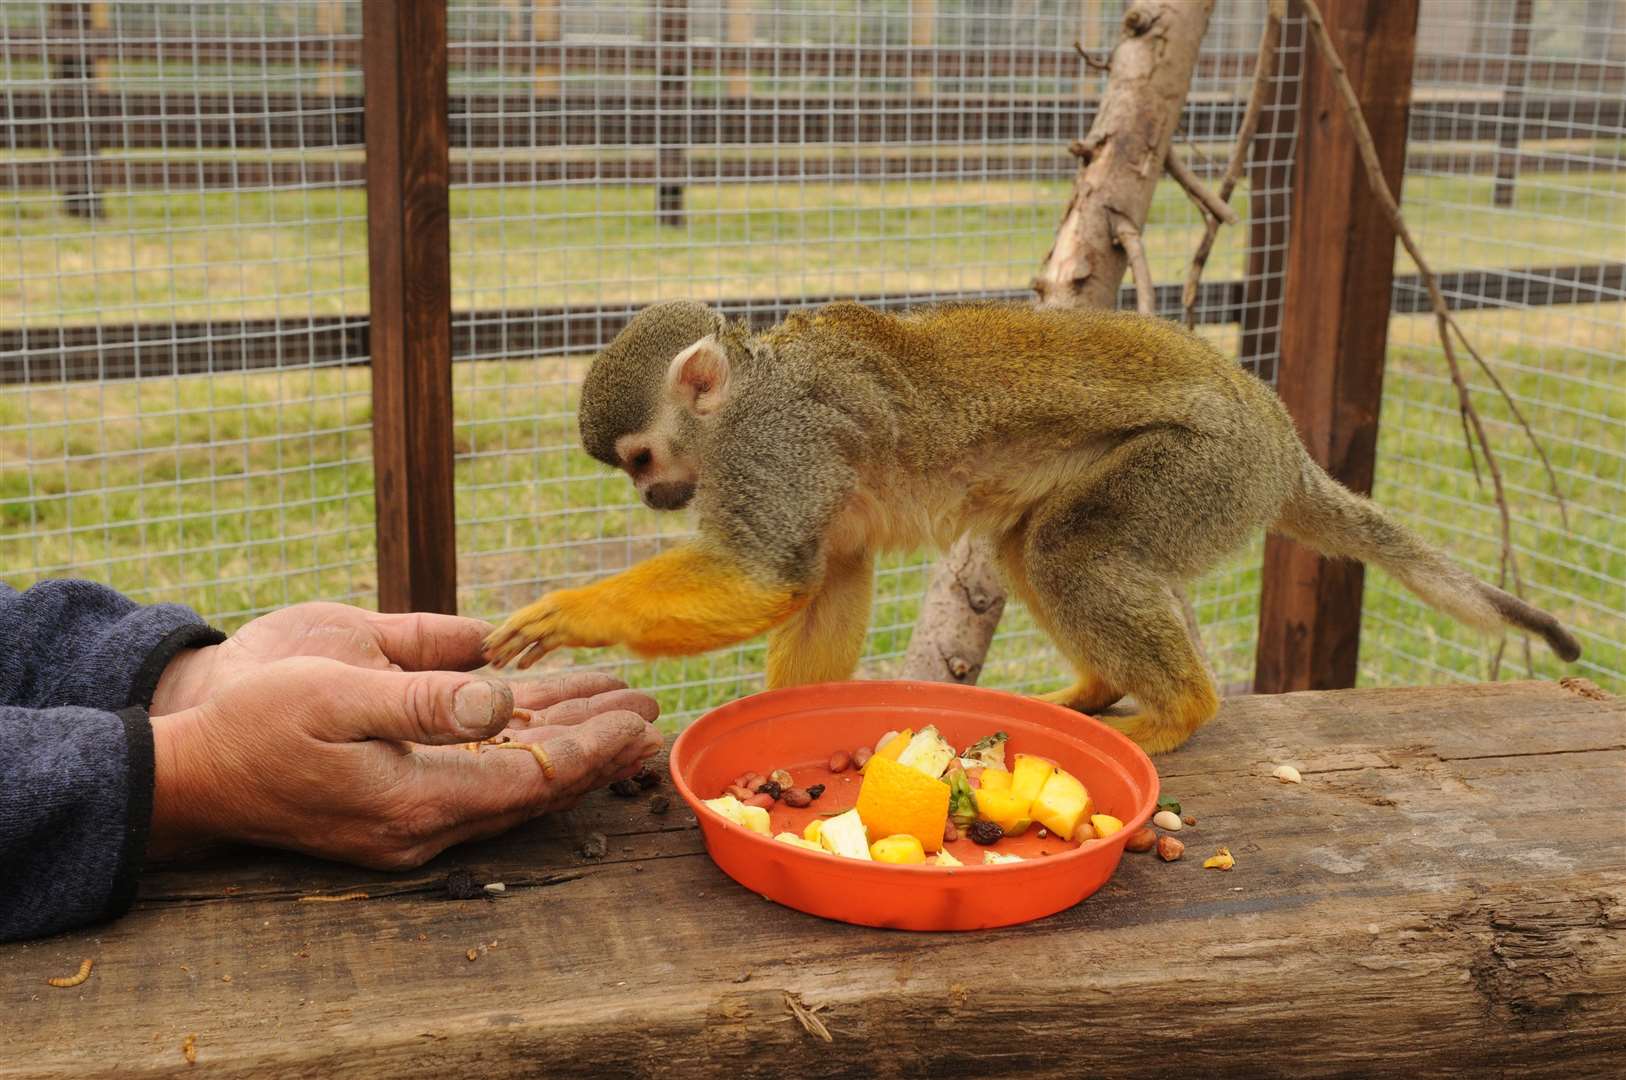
{"x":699,"y":376}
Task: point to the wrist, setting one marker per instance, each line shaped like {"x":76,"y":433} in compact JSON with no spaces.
{"x":179,"y":823}
{"x":185,"y":681}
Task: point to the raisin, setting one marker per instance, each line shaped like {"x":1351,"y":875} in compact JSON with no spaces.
{"x":986,"y":832}
{"x":770,"y":788}
{"x":815,"y":791}
{"x":626,"y":788}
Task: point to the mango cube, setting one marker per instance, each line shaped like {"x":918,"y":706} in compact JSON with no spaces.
{"x":811,"y":833}
{"x":755,"y":818}
{"x":729,"y":807}
{"x":1029,"y":776}
{"x":1005,"y":810}
{"x":1062,"y":803}
{"x":1105,"y":825}
{"x":900,"y":850}
{"x":796,"y":841}
{"x":994,"y":780}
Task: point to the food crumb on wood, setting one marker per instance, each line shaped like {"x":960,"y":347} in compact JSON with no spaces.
{"x":1287,"y":774}
{"x":495,"y":887}
{"x":65,"y":981}
{"x":473,"y":954}
{"x":659,"y":804}
{"x":189,"y":1049}
{"x":596,"y":846}
{"x":1188,"y":819}
{"x":225,"y":978}
{"x":1221,"y":861}
{"x":1169,"y":849}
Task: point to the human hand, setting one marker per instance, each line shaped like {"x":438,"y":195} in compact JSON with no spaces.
{"x":362,"y":765}
{"x":360,"y":638}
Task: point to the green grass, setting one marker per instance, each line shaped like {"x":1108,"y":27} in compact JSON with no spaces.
{"x":241,"y":492}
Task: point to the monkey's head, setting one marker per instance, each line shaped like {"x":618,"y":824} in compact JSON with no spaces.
{"x":650,"y":393}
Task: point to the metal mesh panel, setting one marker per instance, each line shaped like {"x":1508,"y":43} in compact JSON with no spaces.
{"x":1514,"y":170}
{"x":182,"y":280}
{"x":762,"y":157}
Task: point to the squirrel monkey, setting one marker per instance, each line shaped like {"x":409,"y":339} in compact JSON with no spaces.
{"x":1110,"y":457}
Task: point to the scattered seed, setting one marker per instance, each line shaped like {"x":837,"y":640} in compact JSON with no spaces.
{"x":76,"y":978}
{"x":861,"y":756}
{"x":840,"y":761}
{"x":1287,"y":774}
{"x":1169,"y":849}
{"x":473,"y":955}
{"x":225,"y":978}
{"x":496,"y":887}
{"x":1142,"y":840}
{"x":1188,"y":819}
{"x":659,"y":804}
{"x":1167,"y":820}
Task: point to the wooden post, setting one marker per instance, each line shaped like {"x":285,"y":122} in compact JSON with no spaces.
{"x":1270,"y":172}
{"x":545,"y":32}
{"x":922,"y":35}
{"x":741,"y":32}
{"x":330,"y":24}
{"x":75,"y":69}
{"x":409,"y":261}
{"x":1340,"y":266}
{"x":1507,"y":156}
{"x":672,"y":28}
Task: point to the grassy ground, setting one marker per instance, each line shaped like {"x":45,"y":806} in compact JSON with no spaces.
{"x":245,"y":491}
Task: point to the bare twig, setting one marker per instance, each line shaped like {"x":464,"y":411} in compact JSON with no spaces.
{"x":1090,"y":61}
{"x":1209,"y":203}
{"x":1444,"y":321}
{"x":1126,"y":236}
{"x":804,"y":1016}
{"x":1264,"y":68}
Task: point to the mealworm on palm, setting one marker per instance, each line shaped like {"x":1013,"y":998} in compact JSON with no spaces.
{"x":77,"y":977}
{"x":536,"y":751}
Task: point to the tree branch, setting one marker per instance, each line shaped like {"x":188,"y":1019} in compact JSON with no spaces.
{"x":1126,"y":236}
{"x":1209,"y":203}
{"x":1445,"y":323}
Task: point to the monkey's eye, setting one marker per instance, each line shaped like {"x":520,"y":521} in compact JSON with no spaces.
{"x":642,"y":459}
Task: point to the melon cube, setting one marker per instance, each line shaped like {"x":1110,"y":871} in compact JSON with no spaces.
{"x":1004,"y":810}
{"x":1029,"y":776}
{"x":1062,"y":803}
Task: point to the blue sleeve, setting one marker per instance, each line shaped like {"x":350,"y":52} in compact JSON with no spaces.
{"x":77,"y":673}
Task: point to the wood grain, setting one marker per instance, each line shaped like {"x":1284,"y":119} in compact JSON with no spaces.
{"x":1335,"y":325}
{"x":1443,"y":895}
{"x":409,"y":265}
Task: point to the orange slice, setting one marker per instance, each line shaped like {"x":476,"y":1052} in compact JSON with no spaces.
{"x":898,"y":799}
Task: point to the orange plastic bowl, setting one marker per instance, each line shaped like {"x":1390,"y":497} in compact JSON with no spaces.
{"x":799,"y":728}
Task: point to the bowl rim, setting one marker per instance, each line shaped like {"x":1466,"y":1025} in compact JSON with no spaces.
{"x":1132,"y":756}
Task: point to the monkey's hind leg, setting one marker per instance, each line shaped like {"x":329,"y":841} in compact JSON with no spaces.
{"x":823,"y":641}
{"x":1090,"y":692}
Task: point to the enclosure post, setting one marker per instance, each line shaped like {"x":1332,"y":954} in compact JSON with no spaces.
{"x":76,"y":73}
{"x":1340,"y":267}
{"x":1507,"y":157}
{"x":544,"y":33}
{"x":1270,"y":203}
{"x":672,"y":18}
{"x":409,"y":260}
{"x":922,"y":35}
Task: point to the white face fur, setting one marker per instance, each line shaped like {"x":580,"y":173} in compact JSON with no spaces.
{"x":697,"y":385}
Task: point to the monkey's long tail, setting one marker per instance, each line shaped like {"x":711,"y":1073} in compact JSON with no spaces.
{"x":1335,"y":521}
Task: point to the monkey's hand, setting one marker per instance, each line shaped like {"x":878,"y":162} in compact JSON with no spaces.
{"x":684,"y":601}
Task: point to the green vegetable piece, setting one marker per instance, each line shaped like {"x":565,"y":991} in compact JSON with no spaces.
{"x":1169,"y":803}
{"x":962,"y":802}
{"x":989,"y":750}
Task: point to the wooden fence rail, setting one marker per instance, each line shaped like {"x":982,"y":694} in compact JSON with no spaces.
{"x":54,"y":354}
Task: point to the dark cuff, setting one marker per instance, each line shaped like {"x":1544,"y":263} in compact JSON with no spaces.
{"x":145,"y":683}
{"x":138,"y":816}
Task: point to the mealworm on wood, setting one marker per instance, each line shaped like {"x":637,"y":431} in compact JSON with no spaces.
{"x":322,"y":899}
{"x":77,"y":977}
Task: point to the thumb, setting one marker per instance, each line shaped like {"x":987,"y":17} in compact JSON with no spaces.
{"x":432,"y":707}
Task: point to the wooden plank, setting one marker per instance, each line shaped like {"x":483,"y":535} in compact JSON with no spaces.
{"x":1513,"y":97}
{"x":1340,"y":265}
{"x":674,"y":121}
{"x":50,"y":354}
{"x":409,"y":266}
{"x":1443,"y":895}
{"x":1270,"y":206}
{"x":296,"y":121}
{"x":815,"y":61}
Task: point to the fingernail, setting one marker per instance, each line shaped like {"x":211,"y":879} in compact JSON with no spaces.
{"x":480,"y":706}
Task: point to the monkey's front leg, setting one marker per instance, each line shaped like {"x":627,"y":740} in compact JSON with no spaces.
{"x":684,"y":601}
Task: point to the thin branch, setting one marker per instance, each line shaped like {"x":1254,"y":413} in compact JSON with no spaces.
{"x":1444,"y":321}
{"x":1089,"y":61}
{"x":1263,"y":70}
{"x":1209,"y":203}
{"x":1126,"y":236}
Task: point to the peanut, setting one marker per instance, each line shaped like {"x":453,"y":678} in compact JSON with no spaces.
{"x":795,"y":796}
{"x":754,"y":780}
{"x":782,"y":778}
{"x":1143,"y":840}
{"x":1168,"y":820}
{"x":951,"y":832}
{"x":861,"y":757}
{"x":764,"y":800}
{"x":840,"y":761}
{"x":1169,"y":849}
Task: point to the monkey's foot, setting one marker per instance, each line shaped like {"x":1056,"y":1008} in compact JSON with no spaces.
{"x":1089,"y":696}
{"x":1159,"y":734}
{"x":536,"y":630}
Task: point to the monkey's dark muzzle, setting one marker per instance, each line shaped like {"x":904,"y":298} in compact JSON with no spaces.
{"x":669,"y":496}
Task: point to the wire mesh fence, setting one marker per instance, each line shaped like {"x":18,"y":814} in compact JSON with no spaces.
{"x":184,"y":396}
{"x":1543,"y":199}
